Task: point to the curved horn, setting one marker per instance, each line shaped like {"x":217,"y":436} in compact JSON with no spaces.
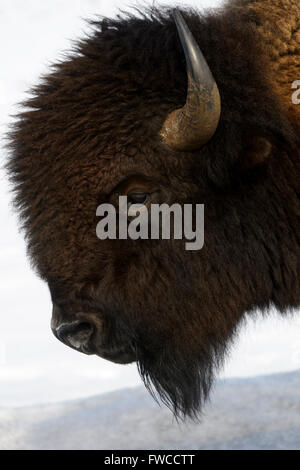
{"x":190,"y":127}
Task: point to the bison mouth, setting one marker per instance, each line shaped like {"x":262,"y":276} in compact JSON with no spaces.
{"x":82,"y":343}
{"x":124,"y":355}
{"x":88,"y":336}
{"x":82,"y":338}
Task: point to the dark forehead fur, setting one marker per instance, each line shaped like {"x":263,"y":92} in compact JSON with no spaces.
{"x":96,"y":119}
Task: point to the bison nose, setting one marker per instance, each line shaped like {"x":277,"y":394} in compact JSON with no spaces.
{"x":76,"y":334}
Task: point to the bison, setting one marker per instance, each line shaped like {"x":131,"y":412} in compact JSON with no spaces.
{"x":166,"y":106}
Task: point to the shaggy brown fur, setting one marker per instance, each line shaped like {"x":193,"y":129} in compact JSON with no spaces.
{"x":94,"y":122}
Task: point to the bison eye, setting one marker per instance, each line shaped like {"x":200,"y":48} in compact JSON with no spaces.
{"x":137,"y":198}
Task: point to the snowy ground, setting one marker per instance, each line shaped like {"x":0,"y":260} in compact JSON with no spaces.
{"x":258,"y":413}
{"x":34,"y":366}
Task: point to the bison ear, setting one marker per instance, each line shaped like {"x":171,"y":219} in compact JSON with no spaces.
{"x":254,"y":153}
{"x":257,"y":150}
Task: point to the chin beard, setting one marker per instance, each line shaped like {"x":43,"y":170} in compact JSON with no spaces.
{"x":181,"y":380}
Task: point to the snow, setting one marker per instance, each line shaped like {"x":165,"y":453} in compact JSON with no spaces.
{"x":256,"y":413}
{"x":36,"y":369}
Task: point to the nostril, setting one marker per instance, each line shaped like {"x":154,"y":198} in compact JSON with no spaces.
{"x":76,"y":334}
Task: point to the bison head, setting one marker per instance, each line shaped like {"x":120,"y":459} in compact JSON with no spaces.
{"x":121,"y":116}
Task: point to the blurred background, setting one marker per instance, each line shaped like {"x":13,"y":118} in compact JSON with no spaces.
{"x":34,"y":366}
